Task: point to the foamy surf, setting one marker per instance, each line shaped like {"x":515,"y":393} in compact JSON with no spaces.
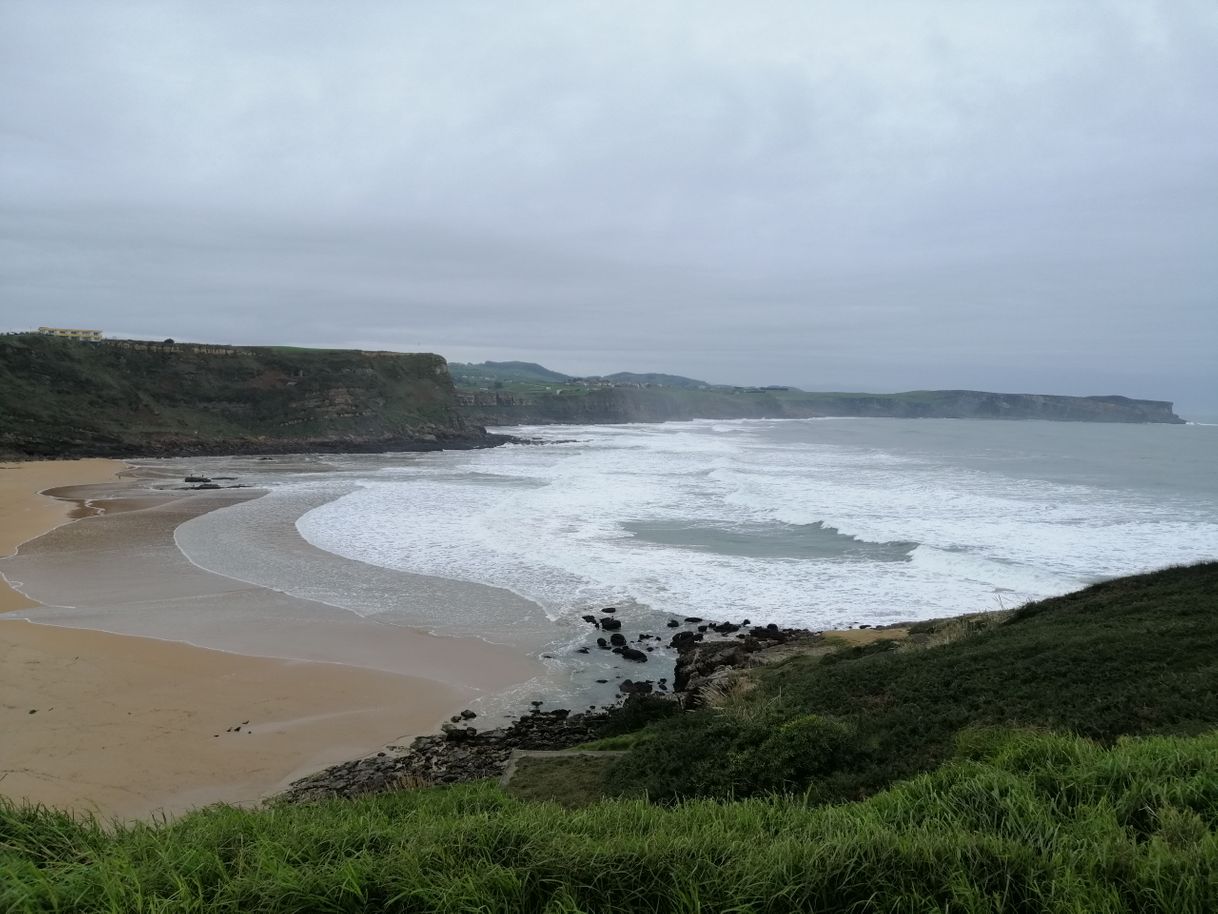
{"x":802,"y":523}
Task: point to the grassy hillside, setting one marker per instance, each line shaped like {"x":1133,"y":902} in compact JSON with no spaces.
{"x":1009,"y":817}
{"x":1133,"y":656}
{"x":1036,"y":823}
{"x":66,"y":398}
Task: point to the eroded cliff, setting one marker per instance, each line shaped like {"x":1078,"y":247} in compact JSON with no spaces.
{"x":61,"y":398}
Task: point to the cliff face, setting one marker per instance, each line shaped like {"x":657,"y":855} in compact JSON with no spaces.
{"x":658,"y":404}
{"x":122,"y":398}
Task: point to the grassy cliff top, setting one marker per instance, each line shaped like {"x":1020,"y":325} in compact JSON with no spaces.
{"x":118,"y":397}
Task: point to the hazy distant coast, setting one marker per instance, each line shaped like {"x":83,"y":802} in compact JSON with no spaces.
{"x":523,"y":393}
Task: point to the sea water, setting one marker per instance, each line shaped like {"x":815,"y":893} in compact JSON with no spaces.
{"x":812,"y":523}
{"x":809,"y":523}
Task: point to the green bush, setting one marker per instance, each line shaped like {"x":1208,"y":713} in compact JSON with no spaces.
{"x":719,"y":754}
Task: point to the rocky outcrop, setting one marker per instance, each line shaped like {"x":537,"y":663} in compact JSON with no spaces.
{"x":63,"y":398}
{"x":458,"y":754}
{"x":703,"y":662}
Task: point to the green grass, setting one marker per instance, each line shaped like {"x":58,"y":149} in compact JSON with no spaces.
{"x":1133,"y":656}
{"x":573,"y":781}
{"x":1016,"y":822}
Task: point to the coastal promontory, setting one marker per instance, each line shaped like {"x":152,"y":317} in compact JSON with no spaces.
{"x":523,"y":393}
{"x":117,"y":398}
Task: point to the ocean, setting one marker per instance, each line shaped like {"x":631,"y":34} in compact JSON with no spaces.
{"x":822,"y":523}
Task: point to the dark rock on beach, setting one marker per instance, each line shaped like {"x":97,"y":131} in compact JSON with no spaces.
{"x":629,"y":687}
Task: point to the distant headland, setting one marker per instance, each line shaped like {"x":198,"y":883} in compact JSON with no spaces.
{"x":70,"y":393}
{"x":511,"y":393}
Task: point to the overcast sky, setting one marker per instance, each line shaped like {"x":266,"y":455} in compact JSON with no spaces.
{"x":1005,"y":195}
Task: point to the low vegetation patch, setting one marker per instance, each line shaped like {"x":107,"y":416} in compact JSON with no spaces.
{"x":573,"y":780}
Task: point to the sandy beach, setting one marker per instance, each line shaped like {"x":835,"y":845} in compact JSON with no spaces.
{"x":129,"y":726}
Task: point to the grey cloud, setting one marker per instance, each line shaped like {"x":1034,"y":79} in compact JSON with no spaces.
{"x":934,"y":194}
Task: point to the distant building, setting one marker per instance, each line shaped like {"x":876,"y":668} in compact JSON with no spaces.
{"x":71,"y":334}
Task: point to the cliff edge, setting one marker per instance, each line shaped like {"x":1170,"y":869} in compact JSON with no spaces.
{"x":62,"y":398}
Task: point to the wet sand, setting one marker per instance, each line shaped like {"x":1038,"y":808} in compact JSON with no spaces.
{"x":24,"y":514}
{"x":130,"y":726}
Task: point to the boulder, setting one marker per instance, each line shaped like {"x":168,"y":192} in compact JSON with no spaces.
{"x":629,"y":687}
{"x":456,"y":734}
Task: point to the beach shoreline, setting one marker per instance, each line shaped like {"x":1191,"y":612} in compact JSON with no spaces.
{"x":128,"y":726}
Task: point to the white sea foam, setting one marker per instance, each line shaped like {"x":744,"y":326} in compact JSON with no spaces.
{"x":552,"y":523}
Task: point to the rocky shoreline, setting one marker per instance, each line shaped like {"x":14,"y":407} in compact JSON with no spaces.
{"x":707,"y":654}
